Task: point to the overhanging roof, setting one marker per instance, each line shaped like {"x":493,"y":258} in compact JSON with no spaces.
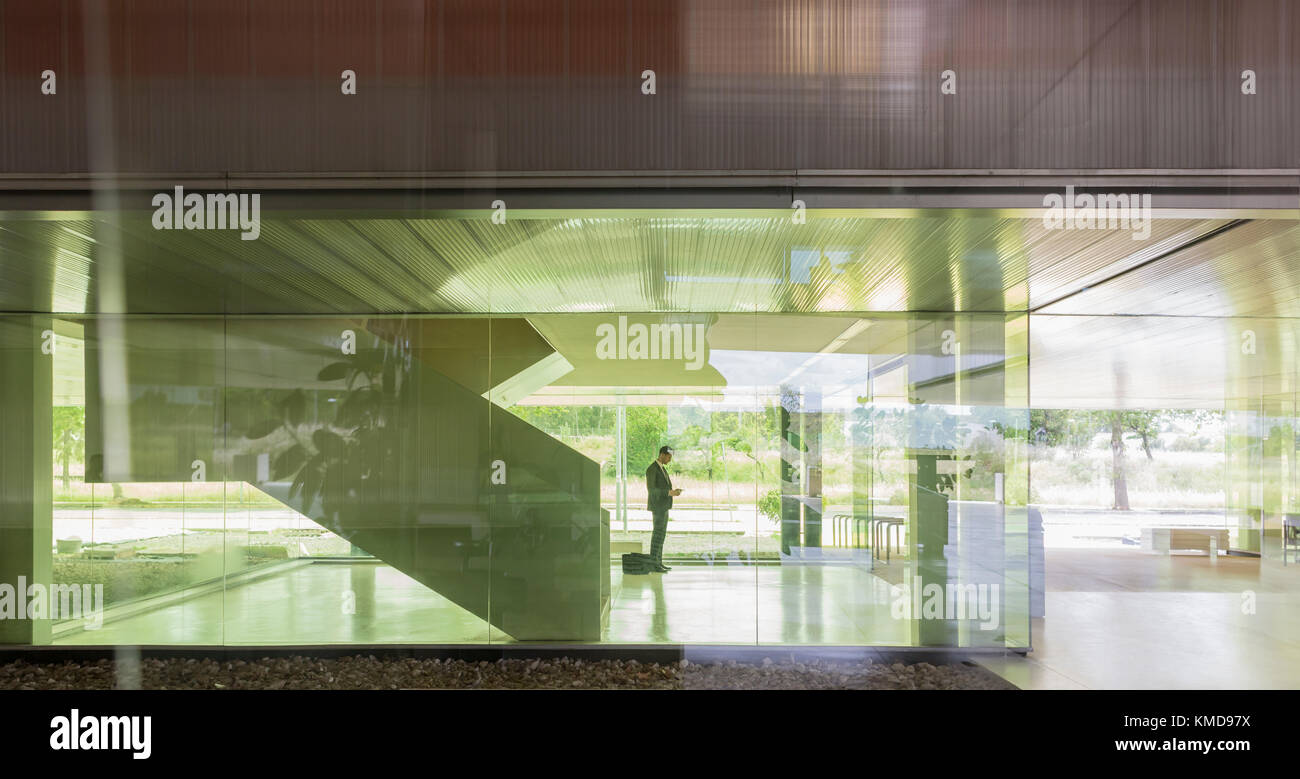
{"x":1198,"y":272}
{"x":669,"y":261}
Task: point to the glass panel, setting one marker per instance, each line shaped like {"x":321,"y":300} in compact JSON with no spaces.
{"x":426,"y":479}
{"x":158,"y":500}
{"x":363,"y":444}
{"x":1164,"y":460}
{"x":601,"y":395}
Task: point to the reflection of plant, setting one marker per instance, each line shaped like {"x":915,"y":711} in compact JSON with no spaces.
{"x":919,"y":426}
{"x":770,"y":505}
{"x":947,"y":482}
{"x":336,"y":461}
{"x":934,"y":428}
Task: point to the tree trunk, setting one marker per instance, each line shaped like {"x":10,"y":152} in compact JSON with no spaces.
{"x":726,"y":479}
{"x":1117,"y":461}
{"x":65,"y":459}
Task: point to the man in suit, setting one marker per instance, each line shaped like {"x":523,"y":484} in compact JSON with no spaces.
{"x":660,"y":492}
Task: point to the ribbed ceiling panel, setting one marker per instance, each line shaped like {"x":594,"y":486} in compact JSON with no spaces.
{"x":1252,"y":269}
{"x":688,"y":261}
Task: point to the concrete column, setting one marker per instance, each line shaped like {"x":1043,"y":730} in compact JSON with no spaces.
{"x":26,"y":470}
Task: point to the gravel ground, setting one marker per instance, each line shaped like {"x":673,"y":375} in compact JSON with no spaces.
{"x":352,"y":673}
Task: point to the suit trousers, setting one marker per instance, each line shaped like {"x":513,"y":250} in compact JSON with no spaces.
{"x":657,"y":538}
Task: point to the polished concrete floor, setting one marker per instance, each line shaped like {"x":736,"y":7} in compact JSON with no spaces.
{"x":1127,"y":620}
{"x":1116,"y":619}
{"x":785,"y":604}
{"x":367,"y":602}
{"x":320,"y":603}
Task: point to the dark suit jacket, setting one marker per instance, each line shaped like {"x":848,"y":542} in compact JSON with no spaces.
{"x":657,"y":486}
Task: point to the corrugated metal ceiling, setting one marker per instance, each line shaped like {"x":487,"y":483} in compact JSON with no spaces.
{"x":967,"y":261}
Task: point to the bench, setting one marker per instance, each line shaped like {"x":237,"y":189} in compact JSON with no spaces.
{"x":1163,"y":540}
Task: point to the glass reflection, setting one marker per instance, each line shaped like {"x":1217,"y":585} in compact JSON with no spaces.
{"x":842,"y":479}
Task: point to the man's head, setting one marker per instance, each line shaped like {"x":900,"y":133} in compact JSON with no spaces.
{"x":665,"y":455}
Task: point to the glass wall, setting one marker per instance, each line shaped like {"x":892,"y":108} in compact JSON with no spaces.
{"x":858,"y":479}
{"x":844,"y":479}
{"x":1262,"y":511}
{"x":1149,"y":431}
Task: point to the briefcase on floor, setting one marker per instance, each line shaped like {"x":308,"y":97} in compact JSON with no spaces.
{"x":637,"y":563}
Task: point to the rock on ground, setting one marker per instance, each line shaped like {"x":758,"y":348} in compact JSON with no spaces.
{"x":369,"y":672}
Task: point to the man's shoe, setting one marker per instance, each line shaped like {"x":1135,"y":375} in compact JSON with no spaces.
{"x":661,"y":568}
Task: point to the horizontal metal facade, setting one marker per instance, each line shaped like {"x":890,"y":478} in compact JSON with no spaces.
{"x":555,"y":85}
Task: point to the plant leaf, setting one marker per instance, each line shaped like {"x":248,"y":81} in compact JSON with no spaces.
{"x":296,"y":487}
{"x":329,"y":444}
{"x":295,"y":407}
{"x":353,"y":411}
{"x":334,"y":371}
{"x":263,"y":429}
{"x":288,"y":461}
{"x":311,"y":483}
{"x":369,"y":360}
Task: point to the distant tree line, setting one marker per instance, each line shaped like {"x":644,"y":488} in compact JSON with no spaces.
{"x":1075,"y":429}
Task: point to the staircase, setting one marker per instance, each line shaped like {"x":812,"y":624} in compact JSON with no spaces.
{"x":376,"y":445}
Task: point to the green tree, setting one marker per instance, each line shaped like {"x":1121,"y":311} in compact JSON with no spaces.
{"x":647,"y":430}
{"x":555,"y":420}
{"x":1073,"y":429}
{"x":1054,"y":427}
{"x":713,"y":446}
{"x":69,"y":439}
{"x":1142,"y":424}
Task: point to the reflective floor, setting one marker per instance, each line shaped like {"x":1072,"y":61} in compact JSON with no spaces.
{"x":368,"y":602}
{"x":317,"y":603}
{"x":786,"y":604}
{"x":1115,"y":618}
{"x":1126,"y":620}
